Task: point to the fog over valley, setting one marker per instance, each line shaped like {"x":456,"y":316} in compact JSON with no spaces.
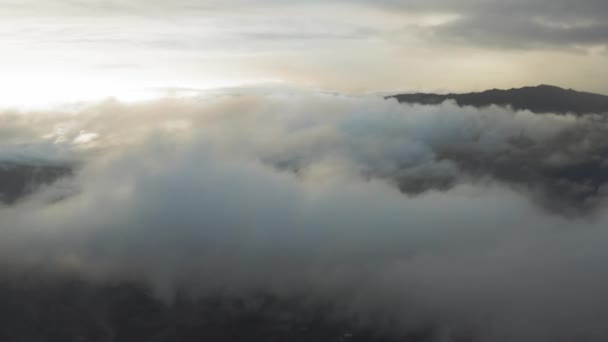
{"x":485,"y":223}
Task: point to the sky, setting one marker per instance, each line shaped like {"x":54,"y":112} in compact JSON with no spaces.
{"x":74,"y":50}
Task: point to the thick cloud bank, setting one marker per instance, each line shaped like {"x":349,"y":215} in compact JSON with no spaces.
{"x":484,"y":221}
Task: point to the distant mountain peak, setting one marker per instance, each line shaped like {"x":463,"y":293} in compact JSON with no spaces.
{"x":543,"y":98}
{"x":548,"y":86}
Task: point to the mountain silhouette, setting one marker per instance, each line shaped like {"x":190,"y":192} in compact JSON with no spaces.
{"x":539,"y":99}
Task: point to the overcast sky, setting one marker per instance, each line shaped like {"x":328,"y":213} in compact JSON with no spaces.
{"x":64,"y":50}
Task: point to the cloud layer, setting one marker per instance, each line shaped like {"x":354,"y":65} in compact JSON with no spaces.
{"x":461,"y":218}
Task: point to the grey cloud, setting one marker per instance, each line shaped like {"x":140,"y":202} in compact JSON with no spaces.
{"x":502,"y":32}
{"x":535,"y":24}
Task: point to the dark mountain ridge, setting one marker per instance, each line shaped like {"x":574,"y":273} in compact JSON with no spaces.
{"x":539,"y":99}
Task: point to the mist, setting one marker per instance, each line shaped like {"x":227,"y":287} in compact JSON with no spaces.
{"x":483,"y":221}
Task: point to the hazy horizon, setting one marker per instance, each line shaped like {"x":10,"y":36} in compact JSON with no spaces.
{"x":64,"y":51}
